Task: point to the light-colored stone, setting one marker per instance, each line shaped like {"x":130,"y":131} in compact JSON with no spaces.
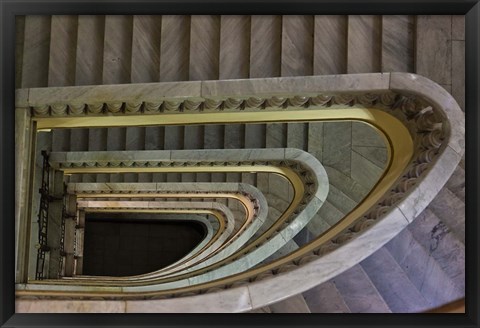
{"x":69,"y":306}
{"x":297,"y":45}
{"x":234,"y":46}
{"x":393,"y":284}
{"x":146,"y":36}
{"x":290,"y":85}
{"x":364,"y":45}
{"x":458,"y":72}
{"x":294,"y":304}
{"x":359,"y":293}
{"x":330,"y":45}
{"x":433,"y":47}
{"x":232,"y":300}
{"x":204,"y":47}
{"x":397,"y":43}
{"x":265,"y":46}
{"x":433,"y":181}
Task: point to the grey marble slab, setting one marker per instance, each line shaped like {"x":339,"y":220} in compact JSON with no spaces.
{"x":364,"y":171}
{"x":146,"y":39}
{"x":359,"y":293}
{"x":36,"y":51}
{"x":376,"y":155}
{"x":294,"y":304}
{"x":433,"y":58}
{"x":89,"y":52}
{"x":325,"y":298}
{"x":330,"y":44}
{"x":393,"y":284}
{"x":398,"y":43}
{"x":174,"y":48}
{"x":297,"y":45}
{"x":265,"y":46}
{"x":365,"y":135}
{"x":69,"y":306}
{"x":204,"y":47}
{"x":364,"y":44}
{"x":61,"y":69}
{"x":234,"y":46}
{"x":337,"y":141}
{"x":458,"y":72}
{"x":117,"y":51}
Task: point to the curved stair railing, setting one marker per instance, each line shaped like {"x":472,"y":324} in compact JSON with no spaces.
{"x":423,"y":150}
{"x":250,"y":197}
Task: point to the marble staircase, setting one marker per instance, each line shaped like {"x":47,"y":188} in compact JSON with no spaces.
{"x":403,"y":276}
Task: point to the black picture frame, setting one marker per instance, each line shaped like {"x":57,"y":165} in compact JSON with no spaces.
{"x":10,"y":8}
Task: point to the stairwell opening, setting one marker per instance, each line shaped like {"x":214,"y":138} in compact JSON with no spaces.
{"x":118,"y":245}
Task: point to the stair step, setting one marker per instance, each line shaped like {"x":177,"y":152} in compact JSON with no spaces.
{"x":264,"y":309}
{"x":60,"y":140}
{"x":305,"y":236}
{"x":297,"y":135}
{"x":364,"y":44}
{"x":315,"y":140}
{"x":325,"y":298}
{"x":398,"y":32}
{"x":276,"y":135}
{"x":234,"y":47}
{"x":422,"y":269}
{"x":117,"y":52}
{"x":294,"y":304}
{"x":433,"y":55}
{"x":286,"y":249}
{"x":330,"y":48}
{"x":393,"y":284}
{"x":351,"y":188}
{"x":134,"y":140}
{"x":89,"y":54}
{"x":451,"y":211}
{"x":145,"y":66}
{"x":36,"y":51}
{"x":337,"y":143}
{"x":265,"y":46}
{"x":297,"y":45}
{"x":359,"y":293}
{"x":204,"y":47}
{"x":442,"y":245}
{"x":255,"y":135}
{"x":456,"y":183}
{"x":364,"y":171}
{"x":174,"y":48}
{"x":341,"y":201}
{"x":63,"y":43}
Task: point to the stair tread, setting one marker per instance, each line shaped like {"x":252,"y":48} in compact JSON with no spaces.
{"x":89,"y":54}
{"x":392,"y":283}
{"x":398,"y":43}
{"x":63,"y":42}
{"x":325,"y":298}
{"x":265,"y":46}
{"x":294,"y":304}
{"x":330,"y":46}
{"x":204,"y":47}
{"x":451,"y":211}
{"x":359,"y":293}
{"x":422,"y":269}
{"x":117,"y":51}
{"x":36,"y":51}
{"x":363,"y":50}
{"x":146,"y":35}
{"x":234,"y":47}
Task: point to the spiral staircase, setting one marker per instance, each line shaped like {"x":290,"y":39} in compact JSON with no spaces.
{"x":324,"y":182}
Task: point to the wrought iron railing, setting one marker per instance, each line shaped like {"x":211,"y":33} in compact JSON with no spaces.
{"x":43,"y":217}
